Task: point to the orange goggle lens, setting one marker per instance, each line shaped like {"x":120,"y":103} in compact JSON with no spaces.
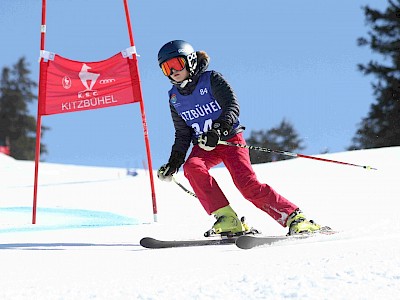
{"x":176,"y":63}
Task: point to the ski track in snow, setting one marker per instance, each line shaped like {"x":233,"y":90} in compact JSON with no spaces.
{"x":85,"y":244}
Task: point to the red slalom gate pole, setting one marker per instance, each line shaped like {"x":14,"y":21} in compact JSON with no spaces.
{"x":144,"y":122}
{"x":39,"y":117}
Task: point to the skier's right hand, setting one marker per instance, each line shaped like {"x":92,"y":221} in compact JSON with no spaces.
{"x":166,"y":171}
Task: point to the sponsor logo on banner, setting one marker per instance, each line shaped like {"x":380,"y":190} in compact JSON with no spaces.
{"x":88,"y":79}
{"x":106,"y":81}
{"x":66,"y":82}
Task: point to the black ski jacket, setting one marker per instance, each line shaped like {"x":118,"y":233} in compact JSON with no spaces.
{"x":222,"y":92}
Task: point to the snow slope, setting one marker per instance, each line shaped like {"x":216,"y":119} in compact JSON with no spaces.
{"x":85,"y":244}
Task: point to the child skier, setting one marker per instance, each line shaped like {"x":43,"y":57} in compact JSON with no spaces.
{"x":205,"y":110}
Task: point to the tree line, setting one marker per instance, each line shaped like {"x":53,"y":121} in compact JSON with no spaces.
{"x":17,"y":125}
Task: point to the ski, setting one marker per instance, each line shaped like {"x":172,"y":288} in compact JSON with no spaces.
{"x":249,"y":242}
{"x":211,"y":238}
{"x":152,"y":243}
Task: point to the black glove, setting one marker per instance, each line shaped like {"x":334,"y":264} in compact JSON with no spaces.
{"x":175,"y":161}
{"x":222,"y":127}
{"x":209,"y":140}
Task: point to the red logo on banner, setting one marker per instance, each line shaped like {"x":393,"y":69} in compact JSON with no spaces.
{"x":69,"y":86}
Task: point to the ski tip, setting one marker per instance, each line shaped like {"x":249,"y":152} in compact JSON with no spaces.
{"x":245,"y":242}
{"x":144,"y":242}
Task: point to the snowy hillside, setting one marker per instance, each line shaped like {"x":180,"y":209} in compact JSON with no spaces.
{"x":85,"y":244}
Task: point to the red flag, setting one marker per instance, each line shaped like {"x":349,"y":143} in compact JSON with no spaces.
{"x":69,"y":86}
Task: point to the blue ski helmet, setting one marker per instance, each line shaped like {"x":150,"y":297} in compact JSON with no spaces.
{"x":179,"y":48}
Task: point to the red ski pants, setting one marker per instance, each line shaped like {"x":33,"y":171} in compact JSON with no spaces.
{"x":237,"y":161}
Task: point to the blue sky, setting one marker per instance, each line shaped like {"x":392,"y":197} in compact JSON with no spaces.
{"x":293,"y":60}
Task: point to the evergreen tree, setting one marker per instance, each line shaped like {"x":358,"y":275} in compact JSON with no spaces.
{"x":284,"y":137}
{"x":16,"y":125}
{"x":381,"y":128}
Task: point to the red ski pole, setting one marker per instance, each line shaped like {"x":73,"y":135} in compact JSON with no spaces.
{"x":293,"y":154}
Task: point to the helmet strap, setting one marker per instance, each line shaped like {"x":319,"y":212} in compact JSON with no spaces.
{"x":185,"y":82}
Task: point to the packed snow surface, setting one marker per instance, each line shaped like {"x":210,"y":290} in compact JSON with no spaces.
{"x":85,"y":244}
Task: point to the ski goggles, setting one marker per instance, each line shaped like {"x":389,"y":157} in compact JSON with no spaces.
{"x":176,"y":63}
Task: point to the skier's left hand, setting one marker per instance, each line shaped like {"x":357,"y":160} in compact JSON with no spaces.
{"x":209,"y":140}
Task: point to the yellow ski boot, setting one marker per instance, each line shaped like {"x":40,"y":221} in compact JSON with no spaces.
{"x":228,"y":221}
{"x":298,"y":224}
